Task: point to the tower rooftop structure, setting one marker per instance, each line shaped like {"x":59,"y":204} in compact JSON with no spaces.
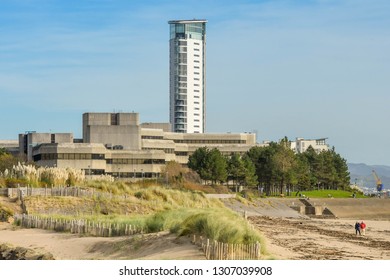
{"x":186,"y":21}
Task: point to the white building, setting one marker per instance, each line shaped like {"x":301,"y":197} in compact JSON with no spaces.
{"x":301,"y":145}
{"x":187,"y":75}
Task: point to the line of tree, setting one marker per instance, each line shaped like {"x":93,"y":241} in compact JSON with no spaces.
{"x":274,"y":169}
{"x":213,"y":166}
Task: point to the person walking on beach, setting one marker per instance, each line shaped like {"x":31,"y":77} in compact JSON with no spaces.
{"x":363,"y":227}
{"x":357,"y":228}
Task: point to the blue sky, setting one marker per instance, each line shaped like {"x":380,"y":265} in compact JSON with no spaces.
{"x":307,"y":69}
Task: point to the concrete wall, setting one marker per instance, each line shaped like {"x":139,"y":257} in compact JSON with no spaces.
{"x":166,"y":127}
{"x":126,"y":136}
{"x":357,"y":208}
{"x":125,"y":132}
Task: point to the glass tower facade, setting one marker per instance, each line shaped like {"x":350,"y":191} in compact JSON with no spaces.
{"x":187,"y":79}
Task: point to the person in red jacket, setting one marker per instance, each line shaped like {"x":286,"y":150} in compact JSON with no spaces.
{"x":363,"y":227}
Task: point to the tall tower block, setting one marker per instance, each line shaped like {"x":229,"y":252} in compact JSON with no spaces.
{"x":187,"y":75}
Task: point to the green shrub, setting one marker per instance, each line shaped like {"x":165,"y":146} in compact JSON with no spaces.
{"x":221,"y":225}
{"x":5,"y":213}
{"x":155,"y":223}
{"x":14,"y":182}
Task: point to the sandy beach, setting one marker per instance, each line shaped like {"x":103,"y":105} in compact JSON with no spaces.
{"x":324,"y":239}
{"x":286,"y":239}
{"x":288,"y":235}
{"x":65,"y":246}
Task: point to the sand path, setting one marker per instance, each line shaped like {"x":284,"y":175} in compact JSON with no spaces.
{"x":65,"y":246}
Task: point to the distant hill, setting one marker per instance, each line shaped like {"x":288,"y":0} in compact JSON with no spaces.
{"x":362,"y":174}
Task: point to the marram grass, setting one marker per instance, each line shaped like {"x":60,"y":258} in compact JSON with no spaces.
{"x":153,"y":209}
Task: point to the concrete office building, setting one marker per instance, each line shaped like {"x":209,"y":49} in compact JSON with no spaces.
{"x":29,"y":140}
{"x":187,"y":75}
{"x":119,"y":145}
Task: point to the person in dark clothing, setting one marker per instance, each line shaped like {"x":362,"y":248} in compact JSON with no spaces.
{"x":357,"y":228}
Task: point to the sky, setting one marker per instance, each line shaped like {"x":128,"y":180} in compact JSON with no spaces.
{"x":310,"y":68}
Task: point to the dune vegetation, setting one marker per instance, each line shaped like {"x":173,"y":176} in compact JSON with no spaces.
{"x":151,"y":207}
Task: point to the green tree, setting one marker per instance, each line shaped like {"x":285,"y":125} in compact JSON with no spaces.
{"x":302,"y":171}
{"x":284,"y":163}
{"x":236,"y":169}
{"x":198,"y":162}
{"x":217,"y":166}
{"x":250,"y":171}
{"x":312,"y":161}
{"x":262,"y":158}
{"x":211,"y":165}
{"x":342,"y":173}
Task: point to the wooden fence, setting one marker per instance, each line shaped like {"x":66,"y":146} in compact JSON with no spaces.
{"x":3,"y":192}
{"x":59,"y":191}
{"x":215,"y":250}
{"x":56,"y":191}
{"x":82,"y":227}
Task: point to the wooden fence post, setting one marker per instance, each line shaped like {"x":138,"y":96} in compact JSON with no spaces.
{"x":257,"y":250}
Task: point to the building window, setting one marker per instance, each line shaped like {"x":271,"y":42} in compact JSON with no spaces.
{"x":98,"y":156}
{"x":196,"y":85}
{"x":196,"y":67}
{"x":196,"y":73}
{"x":183,"y":154}
{"x":114,"y":119}
{"x":196,"y":50}
{"x":196,"y":55}
{"x":196,"y":79}
{"x":213,"y":141}
{"x":196,"y":61}
{"x":151,"y":137}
